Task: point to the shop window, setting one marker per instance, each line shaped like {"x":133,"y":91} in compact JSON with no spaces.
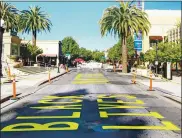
{"x":14,"y":49}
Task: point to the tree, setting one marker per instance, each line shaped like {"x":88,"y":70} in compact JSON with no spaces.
{"x":85,"y":54}
{"x":70,"y":45}
{"x":124,"y":21}
{"x":33,"y":51}
{"x":97,"y":55}
{"x":9,"y":14}
{"x":166,"y":52}
{"x":114,"y":53}
{"x":34,"y":20}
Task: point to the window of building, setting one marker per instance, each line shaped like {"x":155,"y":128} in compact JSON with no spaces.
{"x":14,"y":49}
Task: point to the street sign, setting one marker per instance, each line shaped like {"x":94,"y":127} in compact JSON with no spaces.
{"x":156,"y":62}
{"x":68,"y":55}
{"x":138,"y":41}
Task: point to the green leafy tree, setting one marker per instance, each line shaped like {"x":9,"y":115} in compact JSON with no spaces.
{"x":34,"y":20}
{"x":33,"y":51}
{"x":124,"y":21}
{"x":97,"y":55}
{"x":166,"y":52}
{"x":70,"y":45}
{"x":85,"y":54}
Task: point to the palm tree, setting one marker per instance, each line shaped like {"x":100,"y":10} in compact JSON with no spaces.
{"x":124,"y":21}
{"x":9,"y":13}
{"x":35,"y":21}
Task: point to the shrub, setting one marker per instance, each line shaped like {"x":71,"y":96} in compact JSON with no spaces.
{"x":18,"y":65}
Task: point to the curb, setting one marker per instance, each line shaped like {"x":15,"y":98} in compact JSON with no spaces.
{"x":43,"y":82}
{"x":37,"y":85}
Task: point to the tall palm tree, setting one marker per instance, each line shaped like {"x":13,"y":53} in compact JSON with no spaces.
{"x":7,"y":13}
{"x":34,"y":20}
{"x":124,"y":21}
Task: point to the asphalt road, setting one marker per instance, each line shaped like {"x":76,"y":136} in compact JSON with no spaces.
{"x":92,"y":104}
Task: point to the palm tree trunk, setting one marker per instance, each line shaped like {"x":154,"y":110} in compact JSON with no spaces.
{"x":34,"y":37}
{"x":124,"y":55}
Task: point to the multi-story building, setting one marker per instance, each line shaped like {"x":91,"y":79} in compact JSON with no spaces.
{"x":174,"y":34}
{"x":161,"y":22}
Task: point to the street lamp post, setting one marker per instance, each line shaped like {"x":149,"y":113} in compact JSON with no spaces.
{"x":2,"y":27}
{"x":156,"y":55}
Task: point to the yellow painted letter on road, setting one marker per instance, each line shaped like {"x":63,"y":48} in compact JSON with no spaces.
{"x":166,"y":126}
{"x":59,"y":107}
{"x":74,"y":115}
{"x":103,"y":96}
{"x":120,"y":101}
{"x":50,"y":101}
{"x":64,"y":97}
{"x":113,"y":106}
{"x":40,"y":127}
{"x":104,"y":114}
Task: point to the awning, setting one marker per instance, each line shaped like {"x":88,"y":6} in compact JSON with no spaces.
{"x":155,"y":37}
{"x":47,"y":55}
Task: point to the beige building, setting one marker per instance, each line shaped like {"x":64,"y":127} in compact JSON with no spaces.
{"x":161,"y":21}
{"x":174,"y":34}
{"x":11,"y":46}
{"x":50,"y":48}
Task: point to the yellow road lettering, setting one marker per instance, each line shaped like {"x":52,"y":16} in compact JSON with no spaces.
{"x":167,"y":126}
{"x":110,"y":106}
{"x":120,"y":101}
{"x":40,"y":127}
{"x":49,"y":101}
{"x":116,"y":96}
{"x":58,"y":107}
{"x":74,"y":115}
{"x":104,"y":114}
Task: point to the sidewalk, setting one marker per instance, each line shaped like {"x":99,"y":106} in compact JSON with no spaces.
{"x":171,"y":87}
{"x":168,"y":88}
{"x":26,"y":84}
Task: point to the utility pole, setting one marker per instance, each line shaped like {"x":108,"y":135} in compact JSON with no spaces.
{"x":2,"y":28}
{"x":156,"y":56}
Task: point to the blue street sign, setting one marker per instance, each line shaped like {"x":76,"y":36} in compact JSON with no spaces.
{"x":138,"y":45}
{"x":138,"y":41}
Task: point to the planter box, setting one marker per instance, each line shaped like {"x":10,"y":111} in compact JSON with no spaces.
{"x":143,"y":72}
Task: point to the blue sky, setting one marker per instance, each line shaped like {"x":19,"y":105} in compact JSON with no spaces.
{"x":80,"y":20}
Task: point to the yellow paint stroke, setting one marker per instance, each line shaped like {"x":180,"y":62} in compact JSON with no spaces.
{"x":64,"y":97}
{"x":58,"y":107}
{"x":41,"y":127}
{"x":116,"y":96}
{"x":90,"y":82}
{"x":167,"y":126}
{"x":49,"y":101}
{"x":120,"y":101}
{"x":104,"y":114}
{"x":110,"y":106}
{"x":74,"y":115}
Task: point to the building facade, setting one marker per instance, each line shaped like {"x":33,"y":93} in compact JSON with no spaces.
{"x":174,"y":34}
{"x":161,"y":22}
{"x":11,"y":46}
{"x":52,"y":50}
